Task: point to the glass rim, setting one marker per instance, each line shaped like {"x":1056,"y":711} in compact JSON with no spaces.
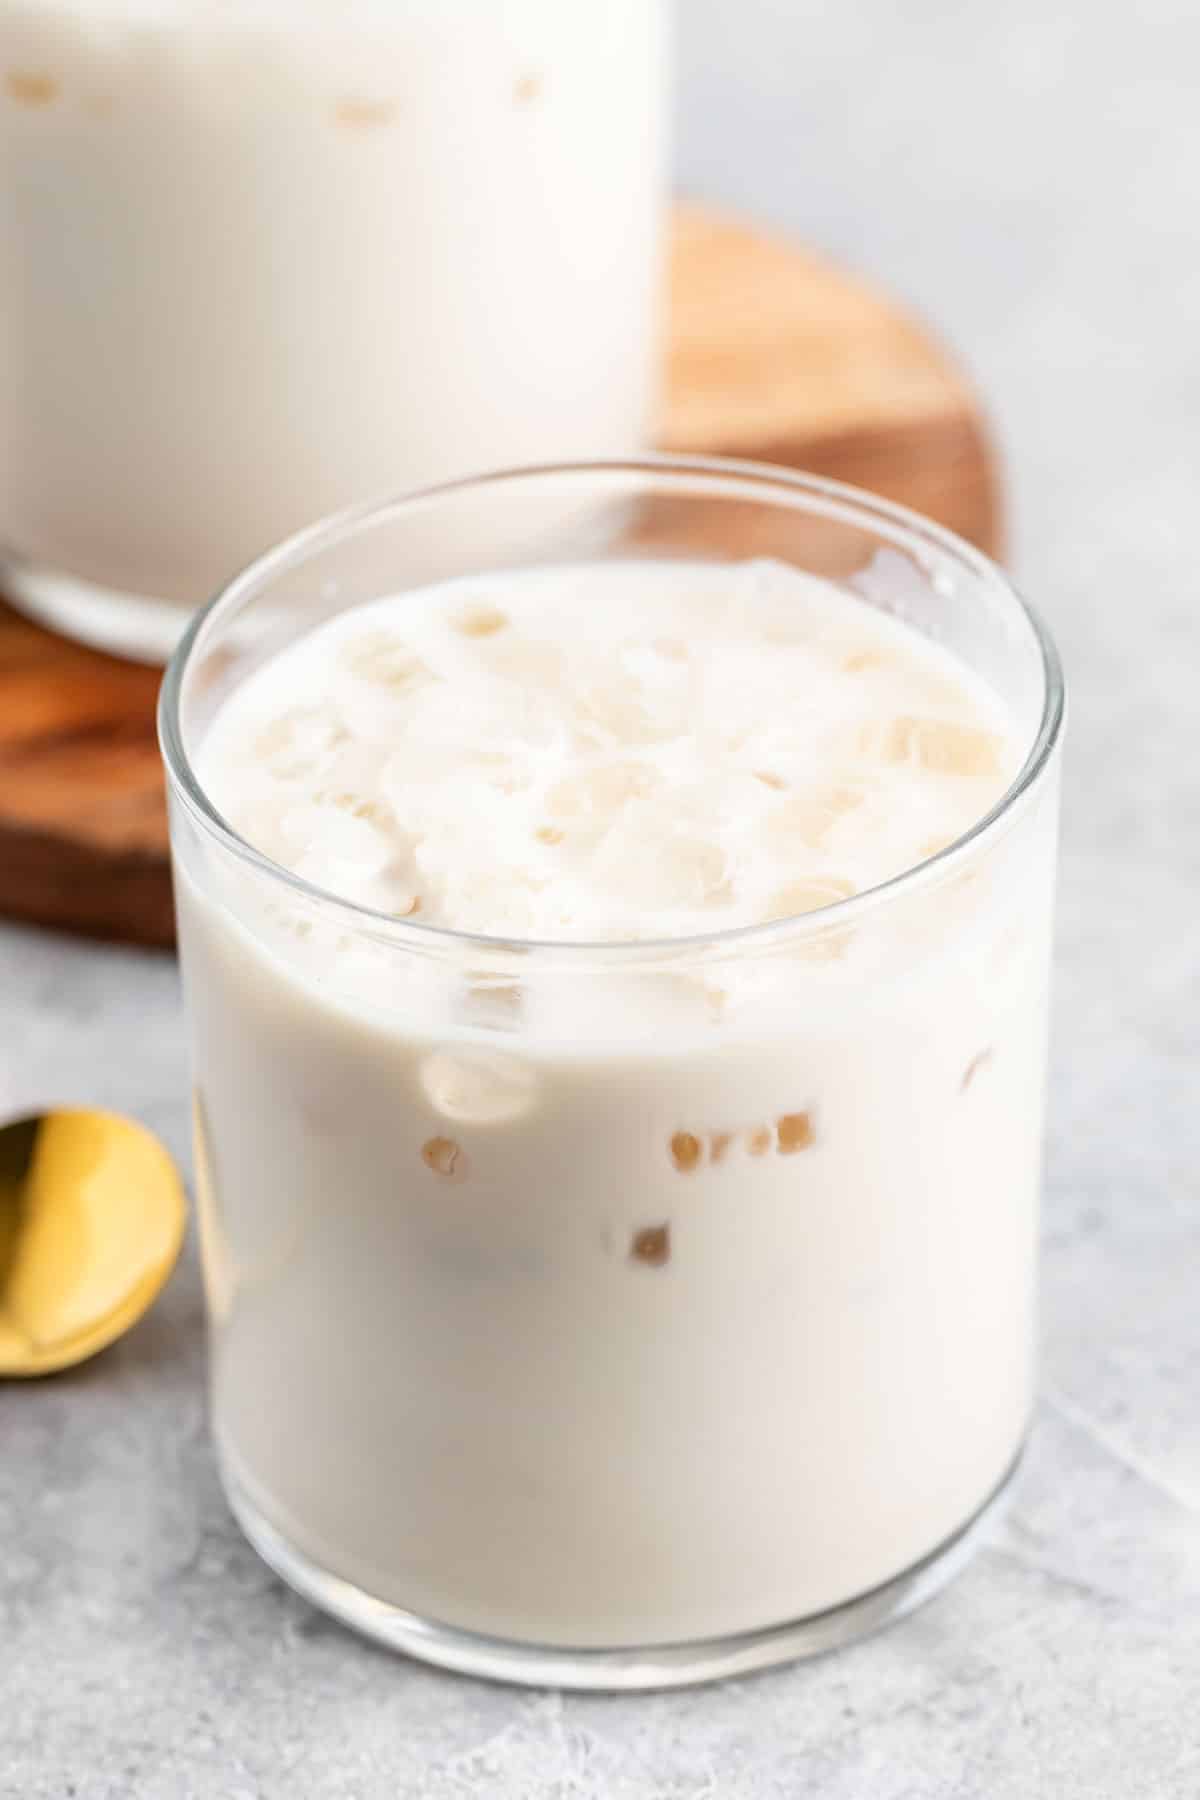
{"x":754,"y":481}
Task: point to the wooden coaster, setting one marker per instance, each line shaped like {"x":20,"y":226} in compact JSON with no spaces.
{"x":774,"y":355}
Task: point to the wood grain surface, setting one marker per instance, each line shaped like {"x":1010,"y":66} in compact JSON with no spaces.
{"x":773,"y":354}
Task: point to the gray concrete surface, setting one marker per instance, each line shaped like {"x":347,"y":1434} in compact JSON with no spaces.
{"x":1027,"y":174}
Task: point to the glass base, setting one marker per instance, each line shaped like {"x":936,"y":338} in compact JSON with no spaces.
{"x":660,"y":1666}
{"x":135,"y":626}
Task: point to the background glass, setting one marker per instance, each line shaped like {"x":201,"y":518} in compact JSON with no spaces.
{"x":258,"y":263}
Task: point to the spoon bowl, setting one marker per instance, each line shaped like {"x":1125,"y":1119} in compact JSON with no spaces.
{"x":92,"y":1217}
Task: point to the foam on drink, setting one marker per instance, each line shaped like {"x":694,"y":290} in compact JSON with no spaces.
{"x":616,"y":752}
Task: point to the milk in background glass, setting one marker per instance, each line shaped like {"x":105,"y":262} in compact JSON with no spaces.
{"x":260,"y":259}
{"x":638,"y":1305}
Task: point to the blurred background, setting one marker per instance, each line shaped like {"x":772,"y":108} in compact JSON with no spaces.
{"x":1024,"y":176}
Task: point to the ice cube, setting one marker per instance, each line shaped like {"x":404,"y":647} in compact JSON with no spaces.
{"x":494,"y":1000}
{"x":634,"y":702}
{"x":531,"y":664}
{"x":478,"y":1087}
{"x":942,"y":746}
{"x":808,"y":817}
{"x":808,"y":895}
{"x":597,"y":794}
{"x":742,"y":686}
{"x":480,"y":621}
{"x":338,"y":833}
{"x":385,"y":660}
{"x":648,"y":865}
{"x":376,"y":683}
{"x":301,"y":741}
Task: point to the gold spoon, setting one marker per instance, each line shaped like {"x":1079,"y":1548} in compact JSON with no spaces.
{"x":92,"y":1216}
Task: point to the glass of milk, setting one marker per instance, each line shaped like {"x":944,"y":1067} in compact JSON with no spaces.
{"x":615,"y":906}
{"x":262,"y":259}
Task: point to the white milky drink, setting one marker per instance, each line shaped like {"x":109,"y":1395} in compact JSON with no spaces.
{"x":670,"y":1289}
{"x":261,"y":259}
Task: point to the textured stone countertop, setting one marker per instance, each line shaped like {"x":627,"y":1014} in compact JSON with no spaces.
{"x":1026,"y":174}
